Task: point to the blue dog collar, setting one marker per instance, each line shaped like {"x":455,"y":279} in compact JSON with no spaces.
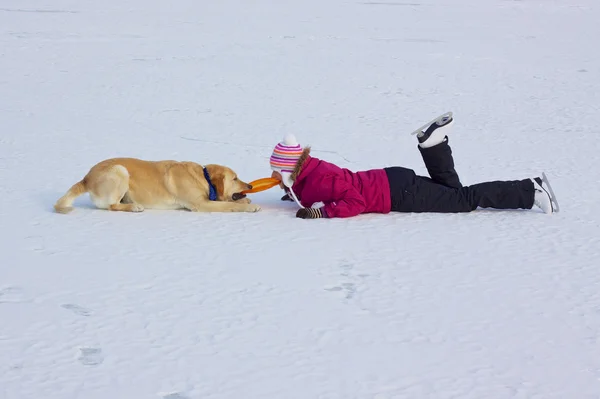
{"x":212,"y":191}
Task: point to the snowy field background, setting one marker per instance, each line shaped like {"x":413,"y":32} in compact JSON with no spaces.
{"x":176,"y":305}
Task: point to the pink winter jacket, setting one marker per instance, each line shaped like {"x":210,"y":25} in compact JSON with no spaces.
{"x":344,"y":193}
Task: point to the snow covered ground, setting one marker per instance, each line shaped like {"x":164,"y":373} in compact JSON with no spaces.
{"x":176,"y":305}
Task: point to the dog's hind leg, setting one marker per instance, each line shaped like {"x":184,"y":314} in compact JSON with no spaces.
{"x":110,"y":188}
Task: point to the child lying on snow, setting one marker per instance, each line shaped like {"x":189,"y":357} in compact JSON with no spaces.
{"x":324,"y":190}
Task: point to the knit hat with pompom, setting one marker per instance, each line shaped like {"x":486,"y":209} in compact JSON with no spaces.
{"x":284,"y":157}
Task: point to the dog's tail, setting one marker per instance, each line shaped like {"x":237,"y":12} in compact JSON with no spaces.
{"x":64,"y":204}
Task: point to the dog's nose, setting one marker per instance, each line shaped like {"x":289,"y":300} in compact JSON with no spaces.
{"x":249,"y":186}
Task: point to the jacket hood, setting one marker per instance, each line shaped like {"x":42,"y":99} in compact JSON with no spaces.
{"x":300,"y":163}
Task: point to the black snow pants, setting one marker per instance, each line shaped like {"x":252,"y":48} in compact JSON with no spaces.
{"x":444,"y":193}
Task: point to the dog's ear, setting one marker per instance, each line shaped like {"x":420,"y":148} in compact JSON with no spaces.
{"x":218,"y":180}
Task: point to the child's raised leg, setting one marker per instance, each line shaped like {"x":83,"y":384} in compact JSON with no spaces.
{"x":436,"y":152}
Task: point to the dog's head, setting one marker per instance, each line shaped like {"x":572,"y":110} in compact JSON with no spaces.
{"x":227,"y":183}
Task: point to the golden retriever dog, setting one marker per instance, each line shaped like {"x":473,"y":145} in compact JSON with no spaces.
{"x":132,"y":185}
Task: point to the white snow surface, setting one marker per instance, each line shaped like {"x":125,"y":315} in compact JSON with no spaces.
{"x":181,"y":305}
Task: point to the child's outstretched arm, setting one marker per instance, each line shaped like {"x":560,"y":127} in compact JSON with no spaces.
{"x":341,"y":200}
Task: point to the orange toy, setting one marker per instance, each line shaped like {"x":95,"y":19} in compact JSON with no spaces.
{"x":262,"y":185}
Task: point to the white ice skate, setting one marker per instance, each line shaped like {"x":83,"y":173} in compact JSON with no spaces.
{"x":544,"y":195}
{"x":434,"y":131}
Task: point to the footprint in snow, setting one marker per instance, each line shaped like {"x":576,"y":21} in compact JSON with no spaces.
{"x":78,"y":310}
{"x":175,"y":395}
{"x":91,"y":356}
{"x":349,"y":288}
{"x":11,"y":295}
{"x":346,"y":269}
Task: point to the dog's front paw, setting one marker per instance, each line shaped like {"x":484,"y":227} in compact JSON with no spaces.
{"x":244,"y":201}
{"x":137,"y":208}
{"x":252,"y":208}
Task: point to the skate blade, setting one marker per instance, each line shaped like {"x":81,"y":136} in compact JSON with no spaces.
{"x":553,"y":199}
{"x":434,"y":120}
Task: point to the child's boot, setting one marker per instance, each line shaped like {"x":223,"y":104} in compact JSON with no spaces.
{"x":434,"y":132}
{"x":542,"y":199}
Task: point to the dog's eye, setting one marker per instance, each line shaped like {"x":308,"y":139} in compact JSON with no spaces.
{"x":235,"y":178}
